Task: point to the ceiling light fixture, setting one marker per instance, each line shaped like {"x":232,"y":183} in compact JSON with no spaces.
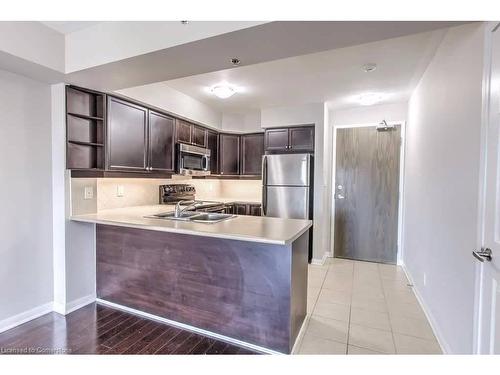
{"x":369,"y":98}
{"x":223,"y":90}
{"x":370,"y":67}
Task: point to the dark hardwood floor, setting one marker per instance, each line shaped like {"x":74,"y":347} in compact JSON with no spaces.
{"x":96,"y":329}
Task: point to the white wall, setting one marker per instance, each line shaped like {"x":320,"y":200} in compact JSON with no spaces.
{"x":87,"y":47}
{"x":34,"y":42}
{"x":247,"y":122}
{"x":370,"y":114}
{"x":162,"y":96}
{"x":25,"y":196}
{"x":317,"y":114}
{"x":441,"y":185}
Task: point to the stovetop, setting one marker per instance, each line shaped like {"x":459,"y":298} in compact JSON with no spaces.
{"x":174,"y":193}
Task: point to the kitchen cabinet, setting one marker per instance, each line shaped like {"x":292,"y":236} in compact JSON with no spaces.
{"x":252,"y":149}
{"x":276,"y":139}
{"x":161,"y":142}
{"x":254,"y":210}
{"x":301,"y":139}
{"x":127,"y":136}
{"x":191,"y":134}
{"x":229,"y":154}
{"x":183,"y":131}
{"x":242,"y":208}
{"x":291,"y":139}
{"x":213,"y":146}
{"x":199,"y":136}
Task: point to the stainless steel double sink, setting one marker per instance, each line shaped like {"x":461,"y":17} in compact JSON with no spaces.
{"x":196,"y":217}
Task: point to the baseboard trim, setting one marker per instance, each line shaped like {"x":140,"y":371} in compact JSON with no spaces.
{"x":430,"y":318}
{"x":25,"y":316}
{"x":187,"y":327}
{"x":320,"y":262}
{"x":302,"y":331}
{"x":73,"y":305}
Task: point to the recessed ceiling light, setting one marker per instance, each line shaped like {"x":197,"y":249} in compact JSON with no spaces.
{"x":368,"y":68}
{"x":235,"y":61}
{"x":223,"y":91}
{"x":370,"y":98}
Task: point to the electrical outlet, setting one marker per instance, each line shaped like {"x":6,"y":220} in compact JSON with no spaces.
{"x":89,"y":192}
{"x":120,"y":190}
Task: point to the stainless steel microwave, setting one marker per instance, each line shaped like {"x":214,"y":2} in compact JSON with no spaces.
{"x":193,"y":160}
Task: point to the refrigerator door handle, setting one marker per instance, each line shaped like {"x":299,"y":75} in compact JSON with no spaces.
{"x":264,"y":185}
{"x":264,"y":200}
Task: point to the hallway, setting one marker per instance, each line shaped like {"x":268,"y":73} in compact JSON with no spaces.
{"x":364,"y":308}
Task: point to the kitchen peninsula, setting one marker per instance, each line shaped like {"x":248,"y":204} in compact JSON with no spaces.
{"x":243,"y":279}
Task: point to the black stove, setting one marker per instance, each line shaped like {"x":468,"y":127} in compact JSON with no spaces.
{"x":174,"y":193}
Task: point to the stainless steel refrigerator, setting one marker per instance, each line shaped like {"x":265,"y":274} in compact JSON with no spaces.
{"x":287,"y":190}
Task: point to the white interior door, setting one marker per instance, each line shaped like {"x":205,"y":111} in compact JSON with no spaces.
{"x":488,"y":287}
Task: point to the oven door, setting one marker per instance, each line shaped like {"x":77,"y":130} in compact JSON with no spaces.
{"x":193,"y":160}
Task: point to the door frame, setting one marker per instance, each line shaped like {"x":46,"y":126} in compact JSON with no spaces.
{"x":481,"y":214}
{"x":402,"y":163}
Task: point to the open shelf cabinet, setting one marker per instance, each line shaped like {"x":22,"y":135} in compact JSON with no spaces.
{"x":85,"y":113}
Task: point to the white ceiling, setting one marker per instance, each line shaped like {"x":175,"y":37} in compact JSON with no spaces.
{"x":333,"y":76}
{"x":253,"y":45}
{"x":66,"y":27}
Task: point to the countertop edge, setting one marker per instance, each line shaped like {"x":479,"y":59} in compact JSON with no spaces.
{"x":192,"y":232}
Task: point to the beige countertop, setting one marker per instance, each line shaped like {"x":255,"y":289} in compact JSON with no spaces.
{"x":231,"y":200}
{"x":244,"y":228}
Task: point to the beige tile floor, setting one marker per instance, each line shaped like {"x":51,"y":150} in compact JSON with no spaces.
{"x":363,"y":308}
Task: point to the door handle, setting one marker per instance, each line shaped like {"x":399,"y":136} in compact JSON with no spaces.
{"x":340,"y":196}
{"x":483,"y":254}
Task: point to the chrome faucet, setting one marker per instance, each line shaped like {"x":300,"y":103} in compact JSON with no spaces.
{"x":178,"y":210}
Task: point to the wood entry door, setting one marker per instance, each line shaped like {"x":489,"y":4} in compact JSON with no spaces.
{"x":367,"y":194}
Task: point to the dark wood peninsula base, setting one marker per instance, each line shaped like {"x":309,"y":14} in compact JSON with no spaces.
{"x":253,"y":292}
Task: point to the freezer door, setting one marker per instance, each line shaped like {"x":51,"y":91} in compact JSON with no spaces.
{"x":289,"y":170}
{"x":288,"y":202}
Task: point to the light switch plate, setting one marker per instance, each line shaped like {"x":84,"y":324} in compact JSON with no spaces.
{"x":89,"y":192}
{"x":120,"y":190}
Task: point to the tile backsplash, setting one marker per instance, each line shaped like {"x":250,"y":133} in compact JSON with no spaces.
{"x":140,"y":192}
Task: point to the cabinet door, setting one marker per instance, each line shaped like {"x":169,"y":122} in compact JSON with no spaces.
{"x":252,"y":149}
{"x":229,"y":154}
{"x":301,"y":139}
{"x":161,"y":142}
{"x":127,"y":135}
{"x":276,"y":139}
{"x":213,"y":145}
{"x":183,"y":131}
{"x":199,"y":136}
{"x":254,"y":209}
{"x":240,"y":209}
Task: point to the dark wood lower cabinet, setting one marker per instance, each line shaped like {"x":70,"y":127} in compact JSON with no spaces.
{"x":241,"y":208}
{"x":250,"y":291}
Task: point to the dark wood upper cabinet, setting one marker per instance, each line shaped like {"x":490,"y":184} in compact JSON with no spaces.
{"x":252,"y":149}
{"x":229,"y":154}
{"x":213,"y":145}
{"x":301,"y":139}
{"x":276,"y":139}
{"x":198,"y":136}
{"x":292,"y":139}
{"x":183,"y":131}
{"x":161,"y":142}
{"x":85,"y":124}
{"x":127,"y":135}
